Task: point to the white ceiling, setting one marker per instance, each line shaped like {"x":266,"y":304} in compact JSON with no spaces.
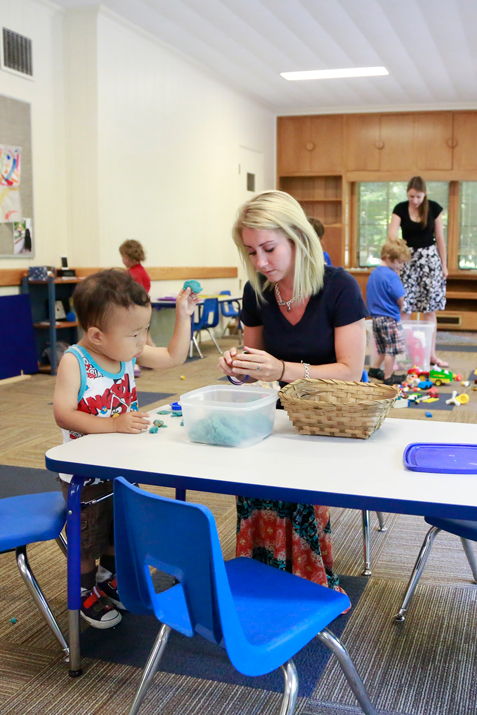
{"x":428,"y":46}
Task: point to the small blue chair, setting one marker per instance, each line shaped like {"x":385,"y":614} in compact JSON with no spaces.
{"x":366,"y":520}
{"x":260,"y":615}
{"x":25,"y":520}
{"x":209,"y":318}
{"x":466,"y":530}
{"x":229,"y":311}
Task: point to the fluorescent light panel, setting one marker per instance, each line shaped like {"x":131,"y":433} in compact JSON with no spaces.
{"x":333,"y":74}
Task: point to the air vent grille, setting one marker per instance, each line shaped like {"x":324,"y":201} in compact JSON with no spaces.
{"x":17,"y":53}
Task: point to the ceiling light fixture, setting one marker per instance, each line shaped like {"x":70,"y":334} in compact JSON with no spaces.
{"x":333,"y":74}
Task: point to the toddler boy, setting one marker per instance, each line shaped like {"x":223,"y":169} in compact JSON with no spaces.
{"x":96,"y":393}
{"x":385,"y":297}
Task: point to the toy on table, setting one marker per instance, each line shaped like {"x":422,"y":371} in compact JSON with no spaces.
{"x":466,"y":383}
{"x":428,"y":414}
{"x":425,"y":385}
{"x":462,"y":399}
{"x":433,"y":392}
{"x":193,"y":285}
{"x":176,"y":407}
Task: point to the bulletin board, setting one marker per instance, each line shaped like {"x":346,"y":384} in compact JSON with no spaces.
{"x":16,"y":180}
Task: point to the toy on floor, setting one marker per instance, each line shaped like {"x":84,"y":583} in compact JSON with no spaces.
{"x":439,"y":376}
{"x":462,"y":399}
{"x":193,"y":285}
{"x":428,"y":414}
{"x":453,"y":400}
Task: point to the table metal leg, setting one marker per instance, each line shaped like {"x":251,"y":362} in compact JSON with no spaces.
{"x":73,"y":532}
{"x":181,"y":494}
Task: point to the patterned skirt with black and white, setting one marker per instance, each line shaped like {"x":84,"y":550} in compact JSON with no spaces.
{"x":424,"y":281}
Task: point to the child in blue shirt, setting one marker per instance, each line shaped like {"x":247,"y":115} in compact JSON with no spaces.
{"x":385,"y":297}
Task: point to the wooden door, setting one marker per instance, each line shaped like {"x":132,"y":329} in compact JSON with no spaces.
{"x":327,"y":134}
{"x":294,"y":145}
{"x":433,"y":141}
{"x":362,"y":144}
{"x":397,"y":137}
{"x":465,"y":140}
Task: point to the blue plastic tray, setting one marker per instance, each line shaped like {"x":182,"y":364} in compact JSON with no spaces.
{"x":441,"y":458}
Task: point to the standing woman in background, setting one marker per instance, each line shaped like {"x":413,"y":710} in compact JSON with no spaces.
{"x":424,"y":277}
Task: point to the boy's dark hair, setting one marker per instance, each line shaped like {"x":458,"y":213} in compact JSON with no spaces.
{"x":95,"y":297}
{"x":317,"y":225}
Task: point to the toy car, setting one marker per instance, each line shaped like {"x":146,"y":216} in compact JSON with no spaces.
{"x":441,"y":377}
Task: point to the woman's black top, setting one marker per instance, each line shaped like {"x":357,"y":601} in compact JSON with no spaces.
{"x":312,"y":339}
{"x":415,"y":235}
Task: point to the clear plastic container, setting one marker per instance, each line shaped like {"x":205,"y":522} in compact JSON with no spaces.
{"x":228,"y":415}
{"x":418,"y":336}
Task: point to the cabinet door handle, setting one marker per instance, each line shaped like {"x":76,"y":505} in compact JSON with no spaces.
{"x":310,"y":146}
{"x":452,"y":143}
{"x":379,"y":144}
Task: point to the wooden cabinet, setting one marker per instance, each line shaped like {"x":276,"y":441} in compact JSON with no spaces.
{"x":465,"y":141}
{"x":321,"y":197}
{"x":310,"y":144}
{"x":397,"y":137}
{"x":362,"y":146}
{"x":433,"y":141}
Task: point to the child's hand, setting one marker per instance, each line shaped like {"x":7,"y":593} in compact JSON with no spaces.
{"x":186,"y":302}
{"x":131,"y":422}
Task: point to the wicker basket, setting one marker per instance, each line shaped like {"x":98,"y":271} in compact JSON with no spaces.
{"x":337,"y":408}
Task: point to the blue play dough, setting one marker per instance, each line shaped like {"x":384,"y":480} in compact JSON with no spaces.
{"x":193,"y":285}
{"x":71,"y":317}
{"x":228,"y":430}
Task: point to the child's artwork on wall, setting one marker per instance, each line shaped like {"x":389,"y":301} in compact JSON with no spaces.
{"x":16,"y":188}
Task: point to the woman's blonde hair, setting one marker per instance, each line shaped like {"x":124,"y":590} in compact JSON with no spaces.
{"x":278,"y":211}
{"x":133,"y":250}
{"x":395,"y":249}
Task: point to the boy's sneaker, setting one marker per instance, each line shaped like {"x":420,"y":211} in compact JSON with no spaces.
{"x":110,"y":589}
{"x":395,"y":380}
{"x":96,"y":609}
{"x":137,"y":371}
{"x":376,"y":373}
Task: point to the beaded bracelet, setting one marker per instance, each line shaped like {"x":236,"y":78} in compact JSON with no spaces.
{"x":306,"y":365}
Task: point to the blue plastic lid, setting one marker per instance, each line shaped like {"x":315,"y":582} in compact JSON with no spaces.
{"x":175,"y":406}
{"x":441,"y":458}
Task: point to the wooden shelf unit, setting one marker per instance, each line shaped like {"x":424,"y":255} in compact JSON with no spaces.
{"x":43,"y":295}
{"x":321,"y":197}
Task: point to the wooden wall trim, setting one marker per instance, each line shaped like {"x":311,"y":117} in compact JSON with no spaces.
{"x":13,"y":276}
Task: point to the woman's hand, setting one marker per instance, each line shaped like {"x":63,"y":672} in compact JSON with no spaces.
{"x":259,"y":364}
{"x":186,"y":302}
{"x":445,"y":271}
{"x":226,"y":362}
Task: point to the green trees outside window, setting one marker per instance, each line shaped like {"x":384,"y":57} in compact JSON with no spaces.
{"x":467,"y":259}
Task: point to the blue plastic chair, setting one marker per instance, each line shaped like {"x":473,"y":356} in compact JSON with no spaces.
{"x":229,"y":311}
{"x":261,"y":616}
{"x":466,"y":530}
{"x":25,"y":520}
{"x":209,"y":318}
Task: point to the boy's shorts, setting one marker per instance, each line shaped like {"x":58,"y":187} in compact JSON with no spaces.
{"x":96,"y":520}
{"x":388,"y":335}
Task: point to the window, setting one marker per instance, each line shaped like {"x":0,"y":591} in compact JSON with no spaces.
{"x":376,"y":200}
{"x":468,"y":226}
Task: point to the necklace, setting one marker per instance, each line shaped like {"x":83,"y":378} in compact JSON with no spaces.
{"x":284,"y":302}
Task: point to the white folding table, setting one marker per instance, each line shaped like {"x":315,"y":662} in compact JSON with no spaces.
{"x":359,"y":474}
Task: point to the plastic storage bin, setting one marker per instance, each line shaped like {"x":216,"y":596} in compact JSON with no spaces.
{"x":418,"y":336}
{"x":229,"y":416}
